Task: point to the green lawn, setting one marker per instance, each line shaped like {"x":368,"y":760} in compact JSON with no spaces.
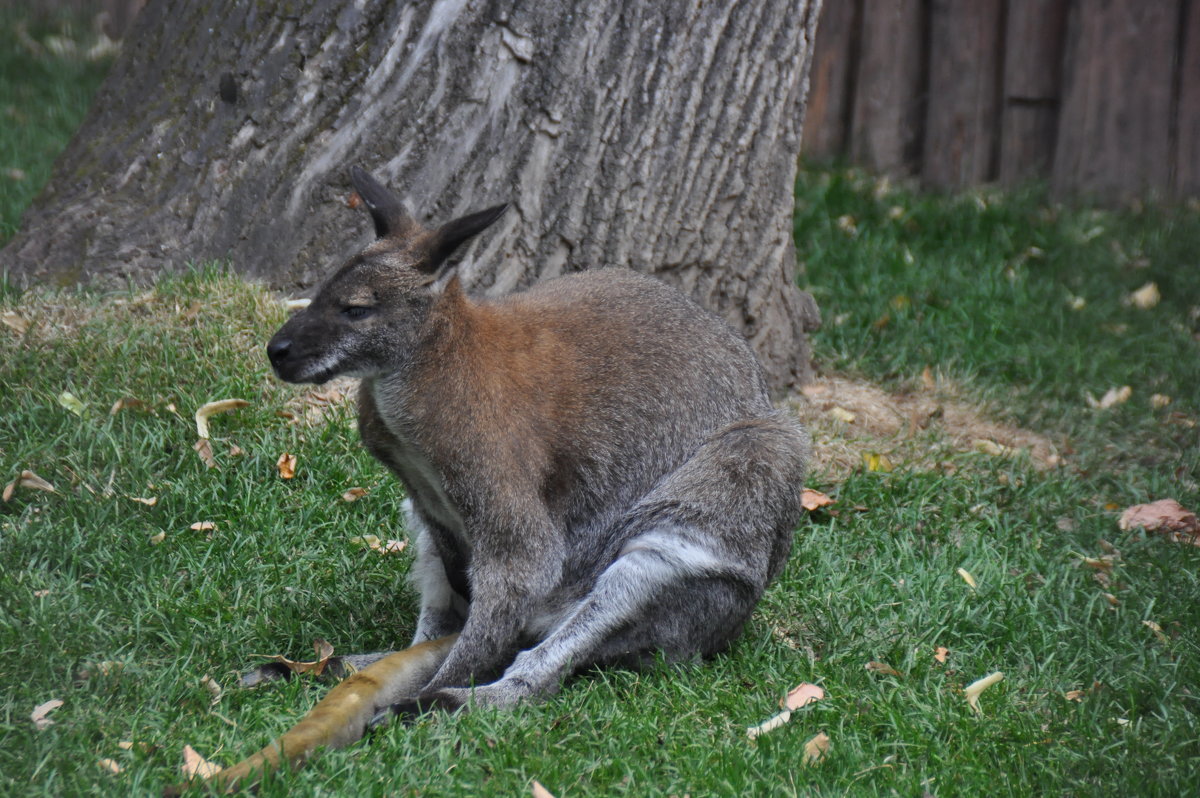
{"x":120,"y":610}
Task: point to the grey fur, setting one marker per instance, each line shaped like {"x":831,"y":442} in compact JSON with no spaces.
{"x":595,"y":471}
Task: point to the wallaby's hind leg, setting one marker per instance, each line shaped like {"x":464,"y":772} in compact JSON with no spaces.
{"x":699,"y":551}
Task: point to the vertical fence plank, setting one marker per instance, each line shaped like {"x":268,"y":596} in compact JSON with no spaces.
{"x":831,"y":80}
{"x":1187,"y":142}
{"x":1034,"y":33}
{"x":1114,"y":130}
{"x":886,"y":125}
{"x":964,"y":71}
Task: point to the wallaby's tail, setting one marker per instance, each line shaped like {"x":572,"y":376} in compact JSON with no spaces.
{"x":341,"y":717}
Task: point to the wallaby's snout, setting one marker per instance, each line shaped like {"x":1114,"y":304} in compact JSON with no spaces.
{"x":277,"y":352}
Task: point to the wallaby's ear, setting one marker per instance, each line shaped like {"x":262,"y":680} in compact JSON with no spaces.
{"x":387,"y":211}
{"x":449,"y":236}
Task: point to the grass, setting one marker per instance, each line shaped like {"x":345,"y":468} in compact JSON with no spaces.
{"x":43,"y":97}
{"x":123,"y":629}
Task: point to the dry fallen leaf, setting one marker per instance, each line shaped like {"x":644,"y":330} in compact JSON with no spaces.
{"x":1165,"y":516}
{"x":992,"y":448}
{"x":1158,"y":632}
{"x":842,"y":414}
{"x":214,"y":689}
{"x":71,"y":402}
{"x":973,"y":689}
{"x":799,"y":696}
{"x":110,"y":765}
{"x":538,"y":790}
{"x":375,"y":543}
{"x":15,"y":322}
{"x":882,"y":667}
{"x":1158,"y":401}
{"x":38,"y":716}
{"x":1104,"y":563}
{"x":873,"y":461}
{"x":196,"y":766}
{"x":1113,"y":396}
{"x":204,"y":449}
{"x":286,"y":465}
{"x":324,"y":651}
{"x":927,"y":379}
{"x":1111,"y":599}
{"x":966,"y":577}
{"x":816,"y":748}
{"x":41,"y":593}
{"x":354,"y":494}
{"x":1075,"y":695}
{"x":203,"y":526}
{"x":211,"y":409}
{"x":29,"y":480}
{"x":149,"y":501}
{"x":814,"y":499}
{"x":157,"y":538}
{"x":1145,"y":297}
{"x":941,"y":653}
{"x":127,"y":403}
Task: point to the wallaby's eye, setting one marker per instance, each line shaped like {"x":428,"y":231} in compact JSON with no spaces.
{"x":357,"y":312}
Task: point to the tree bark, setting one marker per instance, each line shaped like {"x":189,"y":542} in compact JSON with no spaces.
{"x":659,"y":136}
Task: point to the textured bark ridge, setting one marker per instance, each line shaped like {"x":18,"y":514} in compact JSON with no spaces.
{"x":660,"y":136}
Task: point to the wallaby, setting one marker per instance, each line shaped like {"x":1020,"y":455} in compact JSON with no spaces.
{"x":594,"y":470}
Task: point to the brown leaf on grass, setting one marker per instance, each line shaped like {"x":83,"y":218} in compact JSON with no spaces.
{"x":375,"y":543}
{"x":1075,"y":695}
{"x":941,"y":654}
{"x":927,"y":379}
{"x":1145,"y":297}
{"x":127,"y":403}
{"x":15,"y":322}
{"x":157,"y":538}
{"x":38,"y":716}
{"x":1158,"y":632}
{"x":1111,"y":599}
{"x":884,"y":668}
{"x":842,"y":414}
{"x":324,"y":651}
{"x":799,"y":696}
{"x":816,"y":748}
{"x":538,"y":791}
{"x":110,"y":765}
{"x":1114,"y":396}
{"x":992,"y":448}
{"x":874,"y":461}
{"x":203,"y":526}
{"x":1158,"y":401}
{"x":1166,"y":517}
{"x":973,"y":689}
{"x":814,"y":499}
{"x":286,"y":465}
{"x":204,"y":449}
{"x":966,"y":577}
{"x":29,"y":480}
{"x":354,"y":494}
{"x":41,"y":593}
{"x":214,"y":690}
{"x":196,"y":766}
{"x":211,"y":409}
{"x":149,"y":501}
{"x":1104,"y":563}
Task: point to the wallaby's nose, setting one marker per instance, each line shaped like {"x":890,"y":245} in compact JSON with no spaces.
{"x":277,"y":349}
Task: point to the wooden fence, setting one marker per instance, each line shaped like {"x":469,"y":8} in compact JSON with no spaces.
{"x":1098,"y":97}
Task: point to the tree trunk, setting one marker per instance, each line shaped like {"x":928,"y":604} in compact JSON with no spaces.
{"x":659,"y":136}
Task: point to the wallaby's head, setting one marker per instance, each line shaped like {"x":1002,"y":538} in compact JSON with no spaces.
{"x":366,"y":318}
